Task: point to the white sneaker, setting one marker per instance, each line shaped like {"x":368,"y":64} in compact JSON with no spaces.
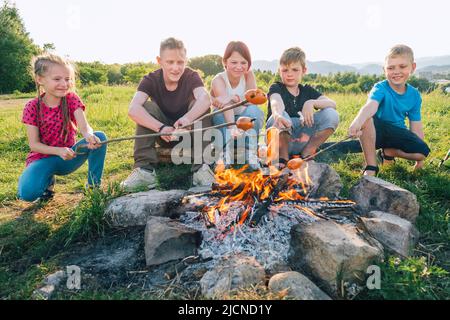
{"x":139,"y":178}
{"x":203,"y":177}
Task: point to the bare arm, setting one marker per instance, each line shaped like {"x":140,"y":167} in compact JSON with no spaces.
{"x":86,"y":130}
{"x":324,"y":102}
{"x":308,"y":108}
{"x":37,"y":146}
{"x":221,"y":98}
{"x":250,"y":80}
{"x":366,"y":112}
{"x":139,"y":115}
{"x":277,"y":106}
{"x":200,"y":107}
{"x":83,"y":125}
{"x":417,"y":128}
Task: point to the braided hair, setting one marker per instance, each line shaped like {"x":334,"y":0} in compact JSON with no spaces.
{"x":40,"y":66}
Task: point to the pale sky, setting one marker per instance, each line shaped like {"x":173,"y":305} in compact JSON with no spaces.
{"x":346,"y":31}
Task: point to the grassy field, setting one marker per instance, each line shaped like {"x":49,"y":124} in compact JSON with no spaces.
{"x":31,"y":240}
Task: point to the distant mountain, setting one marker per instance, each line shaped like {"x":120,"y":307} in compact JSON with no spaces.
{"x":427,"y":64}
{"x":435,"y":69}
{"x":433,"y":61}
{"x":326,"y":67}
{"x":265,"y":65}
{"x":371,"y":69}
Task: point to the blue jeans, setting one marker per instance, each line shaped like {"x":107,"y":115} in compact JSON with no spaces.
{"x":327,"y":118}
{"x":251,"y":136}
{"x":38,"y":176}
{"x":251,"y":111}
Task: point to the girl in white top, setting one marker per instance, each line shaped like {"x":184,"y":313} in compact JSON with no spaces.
{"x":230,"y":86}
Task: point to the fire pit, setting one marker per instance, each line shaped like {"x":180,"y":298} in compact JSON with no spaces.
{"x":252,"y":225}
{"x":253,"y":212}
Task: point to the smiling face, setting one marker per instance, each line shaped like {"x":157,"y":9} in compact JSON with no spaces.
{"x":236,"y":65}
{"x":398,"y":69}
{"x":57,"y":81}
{"x":173,"y":63}
{"x":292,"y":74}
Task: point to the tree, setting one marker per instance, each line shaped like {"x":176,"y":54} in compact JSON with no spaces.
{"x":92,"y":73}
{"x":16,"y":51}
{"x":209,"y":64}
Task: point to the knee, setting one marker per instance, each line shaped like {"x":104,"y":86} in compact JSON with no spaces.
{"x":218,"y":119}
{"x":425,"y":151}
{"x":26,"y":192}
{"x":330,"y":118}
{"x":270,"y":122}
{"x":255,"y":111}
{"x":101,"y":135}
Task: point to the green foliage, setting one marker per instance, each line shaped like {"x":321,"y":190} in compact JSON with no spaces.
{"x":412,"y":279}
{"x":88,"y":220}
{"x":173,"y":177}
{"x":92,"y":73}
{"x":16,"y":50}
{"x":210,"y":65}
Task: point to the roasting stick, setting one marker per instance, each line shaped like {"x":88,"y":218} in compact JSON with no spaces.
{"x":254,"y":96}
{"x":159,"y":134}
{"x":243,"y":123}
{"x":295,"y":164}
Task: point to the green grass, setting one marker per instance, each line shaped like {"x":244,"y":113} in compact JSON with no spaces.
{"x":32,"y":240}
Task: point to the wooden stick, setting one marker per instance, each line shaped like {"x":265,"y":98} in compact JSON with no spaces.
{"x":327,"y":148}
{"x":231,"y":107}
{"x":159,"y":134}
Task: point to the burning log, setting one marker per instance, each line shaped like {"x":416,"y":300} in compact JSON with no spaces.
{"x":262,"y":208}
{"x":228,"y":189}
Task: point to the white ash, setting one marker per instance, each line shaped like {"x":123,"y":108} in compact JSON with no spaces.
{"x":268,"y":242}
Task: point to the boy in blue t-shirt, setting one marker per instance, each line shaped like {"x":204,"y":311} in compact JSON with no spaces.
{"x":381,"y":121}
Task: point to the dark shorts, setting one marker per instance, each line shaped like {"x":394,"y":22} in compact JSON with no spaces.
{"x":393,"y":137}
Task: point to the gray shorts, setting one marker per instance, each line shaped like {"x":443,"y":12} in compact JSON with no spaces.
{"x":327,"y":118}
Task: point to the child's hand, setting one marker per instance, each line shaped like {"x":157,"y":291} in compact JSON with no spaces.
{"x":66,"y":153}
{"x":235,"y":132}
{"x":221,"y":102}
{"x":281,"y":122}
{"x":355,"y":130}
{"x":93,"y":142}
{"x":308,"y":113}
{"x":235,"y":99}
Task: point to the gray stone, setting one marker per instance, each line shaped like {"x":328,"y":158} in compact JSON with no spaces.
{"x":296,"y":286}
{"x":374,"y":194}
{"x":135,"y":209}
{"x":231,"y":273}
{"x":50,"y":285}
{"x":200,"y":189}
{"x":56,"y":278}
{"x":44,"y":293}
{"x":397,"y":234}
{"x":325,"y":180}
{"x":167,"y":240}
{"x":332,"y":253}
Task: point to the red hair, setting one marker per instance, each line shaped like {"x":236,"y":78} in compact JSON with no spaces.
{"x":239,"y":47}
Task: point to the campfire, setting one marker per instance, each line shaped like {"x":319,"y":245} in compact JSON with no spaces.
{"x":253,"y":212}
{"x":239,"y":197}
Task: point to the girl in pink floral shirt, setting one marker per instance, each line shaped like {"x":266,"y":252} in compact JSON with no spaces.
{"x":52,"y":120}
